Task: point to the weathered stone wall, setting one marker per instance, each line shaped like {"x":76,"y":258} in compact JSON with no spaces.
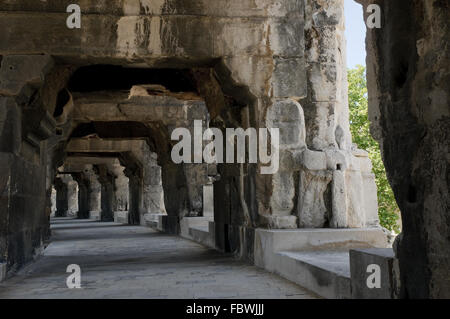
{"x":23,"y":205}
{"x":408,"y":69}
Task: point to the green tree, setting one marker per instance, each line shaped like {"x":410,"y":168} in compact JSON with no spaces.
{"x":359,"y":125}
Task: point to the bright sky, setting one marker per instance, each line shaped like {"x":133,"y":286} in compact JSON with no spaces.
{"x":355,"y":32}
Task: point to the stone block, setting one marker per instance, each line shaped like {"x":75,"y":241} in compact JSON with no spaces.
{"x":240,"y":37}
{"x":270,"y":241}
{"x":287,"y":116}
{"x":337,"y":159}
{"x":121,"y":217}
{"x":252,"y":71}
{"x":370,"y":202}
{"x":286,"y":36}
{"x":326,"y":273}
{"x":312,"y":205}
{"x":313,"y":160}
{"x":95,"y":215}
{"x":289,"y":78}
{"x":322,"y":82}
{"x":339,"y":202}
{"x":360,"y":260}
{"x":208,"y":201}
{"x":317,"y":259}
{"x":282,"y":222}
{"x":282,"y":200}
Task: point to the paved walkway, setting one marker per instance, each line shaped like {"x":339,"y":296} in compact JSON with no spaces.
{"x":119,"y":261}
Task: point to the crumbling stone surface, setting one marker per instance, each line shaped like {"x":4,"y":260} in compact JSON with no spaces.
{"x":408,"y":82}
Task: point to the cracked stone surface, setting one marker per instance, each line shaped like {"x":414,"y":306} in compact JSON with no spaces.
{"x":120,"y":261}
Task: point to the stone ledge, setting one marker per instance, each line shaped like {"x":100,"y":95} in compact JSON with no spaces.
{"x":321,"y":238}
{"x":317,"y":259}
{"x":326,"y":273}
{"x":203,"y":235}
{"x":198,"y":229}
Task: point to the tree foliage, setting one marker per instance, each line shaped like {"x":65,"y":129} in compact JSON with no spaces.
{"x":359,"y":124}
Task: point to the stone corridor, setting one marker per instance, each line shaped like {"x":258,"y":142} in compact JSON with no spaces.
{"x":121,"y":261}
{"x":90,"y":123}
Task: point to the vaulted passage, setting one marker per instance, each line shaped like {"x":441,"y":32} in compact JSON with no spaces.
{"x":89,"y":119}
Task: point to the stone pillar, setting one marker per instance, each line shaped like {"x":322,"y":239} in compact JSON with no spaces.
{"x":287,"y":116}
{"x":121,"y":188}
{"x":135,"y":197}
{"x":196,"y":173}
{"x":72,"y":196}
{"x":208,"y":200}
{"x":62,"y":203}
{"x":196,"y":178}
{"x":95,"y":190}
{"x":106,"y":180}
{"x":53,"y":202}
{"x":83,"y":194}
{"x":153,"y":194}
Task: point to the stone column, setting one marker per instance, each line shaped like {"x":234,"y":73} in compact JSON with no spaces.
{"x":120,"y":187}
{"x":196,"y":173}
{"x":287,"y":116}
{"x":106,"y":180}
{"x":153,"y":194}
{"x":62,"y":203}
{"x":83,"y":194}
{"x":95,"y":190}
{"x":53,"y":202}
{"x":135,"y":189}
{"x":208,"y":200}
{"x":72,"y":196}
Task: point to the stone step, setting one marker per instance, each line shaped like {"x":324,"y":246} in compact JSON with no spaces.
{"x":187,"y":223}
{"x":317,"y":259}
{"x":201,"y":235}
{"x":198,"y":229}
{"x":326,"y":273}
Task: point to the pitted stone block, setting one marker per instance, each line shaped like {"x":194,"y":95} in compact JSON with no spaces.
{"x":313,"y":160}
{"x":287,"y":115}
{"x":289,"y":78}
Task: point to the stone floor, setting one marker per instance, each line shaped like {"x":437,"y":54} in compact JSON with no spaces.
{"x":119,"y":261}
